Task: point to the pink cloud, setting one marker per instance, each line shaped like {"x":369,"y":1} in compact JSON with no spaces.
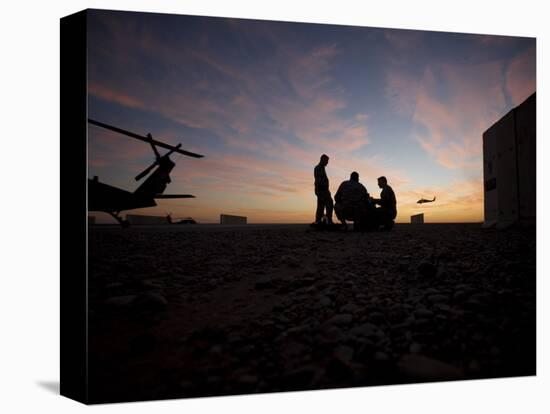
{"x":475,"y":100}
{"x":455,"y":104}
{"x":455,"y":121}
{"x":312,"y":116}
{"x":402,"y":90}
{"x":308,"y":72}
{"x":317,"y":123}
{"x":521,"y":76}
{"x":108,"y":94}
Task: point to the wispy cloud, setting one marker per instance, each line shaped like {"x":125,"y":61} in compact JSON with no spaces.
{"x":521,"y":76}
{"x":453,"y":104}
{"x":264,"y":100}
{"x":299,"y":97}
{"x":309,"y":109}
{"x":103,"y":92}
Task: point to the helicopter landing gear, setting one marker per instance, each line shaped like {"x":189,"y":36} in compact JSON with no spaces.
{"x":124,"y":223}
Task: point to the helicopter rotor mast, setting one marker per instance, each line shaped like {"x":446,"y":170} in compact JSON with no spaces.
{"x":157,"y":160}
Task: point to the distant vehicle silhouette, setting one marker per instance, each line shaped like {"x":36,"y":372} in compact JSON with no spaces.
{"x":187,"y":220}
{"x":423,"y":200}
{"x":113,"y":200}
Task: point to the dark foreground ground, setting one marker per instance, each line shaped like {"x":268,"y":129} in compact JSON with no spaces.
{"x":187,"y":311}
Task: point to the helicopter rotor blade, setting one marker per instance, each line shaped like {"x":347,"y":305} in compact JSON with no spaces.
{"x":146,"y":171}
{"x":174,"y":196}
{"x":144,"y":139}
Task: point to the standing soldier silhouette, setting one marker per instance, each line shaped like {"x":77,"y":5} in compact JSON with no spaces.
{"x":324,"y":199}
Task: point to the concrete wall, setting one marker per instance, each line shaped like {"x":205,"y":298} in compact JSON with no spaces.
{"x":506,"y":168}
{"x":509,"y":169}
{"x":150,"y":220}
{"x":417,"y":219}
{"x":490,"y":177}
{"x":526,"y":154}
{"x":228,"y":219}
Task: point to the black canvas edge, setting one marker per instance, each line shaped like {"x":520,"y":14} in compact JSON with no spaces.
{"x":73,"y":208}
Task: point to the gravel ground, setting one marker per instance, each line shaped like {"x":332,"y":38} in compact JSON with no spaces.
{"x":184,"y":311}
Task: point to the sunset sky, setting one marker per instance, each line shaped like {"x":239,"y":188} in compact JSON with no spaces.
{"x":263,"y":100}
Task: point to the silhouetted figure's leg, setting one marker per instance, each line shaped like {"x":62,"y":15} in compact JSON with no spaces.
{"x":329,"y":207}
{"x":386,"y":219}
{"x":339,"y":211}
{"x":324,"y":203}
{"x":320,"y":208}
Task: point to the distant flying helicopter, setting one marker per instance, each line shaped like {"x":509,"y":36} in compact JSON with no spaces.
{"x":423,"y":200}
{"x":113,"y":200}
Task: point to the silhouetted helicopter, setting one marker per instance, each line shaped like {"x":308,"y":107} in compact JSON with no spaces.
{"x":113,"y":200}
{"x":423,"y":200}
